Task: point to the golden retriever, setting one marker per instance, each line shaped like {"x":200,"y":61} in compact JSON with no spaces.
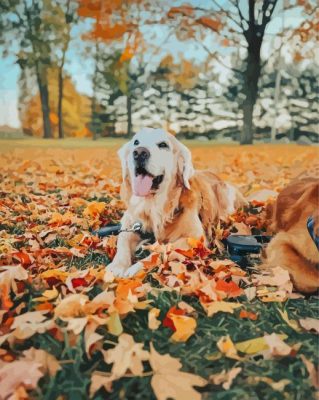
{"x":164,"y":193}
{"x":292,"y":247}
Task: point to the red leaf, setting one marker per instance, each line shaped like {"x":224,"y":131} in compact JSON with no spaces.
{"x":167,"y":321}
{"x":22,"y":257}
{"x":76,"y":282}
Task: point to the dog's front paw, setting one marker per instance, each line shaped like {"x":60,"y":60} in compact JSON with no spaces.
{"x":117,"y":269}
{"x":134,"y":269}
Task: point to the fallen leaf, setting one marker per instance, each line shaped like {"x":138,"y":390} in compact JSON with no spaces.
{"x":276,"y":345}
{"x":126,"y":356}
{"x":11,"y":273}
{"x":114,"y":324}
{"x":254,"y":346}
{"x":99,"y":380}
{"x":169,"y":382}
{"x":312,"y":371}
{"x":310,"y":324}
{"x":184,"y":327}
{"x":225,"y":378}
{"x":292,"y":323}
{"x":19,"y":372}
{"x":248,"y":315}
{"x":49,"y":364}
{"x":153,"y":322}
{"x":220,"y":306}
{"x":227,"y":347}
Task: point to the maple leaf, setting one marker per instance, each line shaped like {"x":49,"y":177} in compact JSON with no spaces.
{"x":225,"y":378}
{"x":277,"y":346}
{"x":49,"y":364}
{"x":126,"y":356}
{"x":310,"y":324}
{"x":98,"y":380}
{"x":94,"y":209}
{"x":184,"y":327}
{"x":71,"y":306}
{"x":220,"y":306}
{"x":169,"y":382}
{"x":27,"y":324}
{"x":19,"y":372}
{"x":9,"y":274}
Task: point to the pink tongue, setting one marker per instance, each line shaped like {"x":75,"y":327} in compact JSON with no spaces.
{"x":142,"y":185}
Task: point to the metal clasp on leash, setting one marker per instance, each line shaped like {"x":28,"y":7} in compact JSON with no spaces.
{"x":136,"y":227}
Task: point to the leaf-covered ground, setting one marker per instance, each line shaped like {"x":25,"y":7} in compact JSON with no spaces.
{"x":192,"y":325}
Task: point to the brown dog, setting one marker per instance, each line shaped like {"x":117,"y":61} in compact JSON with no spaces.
{"x":292,"y":247}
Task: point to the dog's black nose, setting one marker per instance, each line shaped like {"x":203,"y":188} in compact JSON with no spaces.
{"x":141,"y":154}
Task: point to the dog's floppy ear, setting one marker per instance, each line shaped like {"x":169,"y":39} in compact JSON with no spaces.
{"x":184,"y":162}
{"x":122,"y":153}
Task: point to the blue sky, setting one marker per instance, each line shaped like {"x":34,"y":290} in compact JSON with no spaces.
{"x":80,"y":68}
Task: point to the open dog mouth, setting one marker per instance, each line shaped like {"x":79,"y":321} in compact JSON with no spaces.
{"x":144,"y":183}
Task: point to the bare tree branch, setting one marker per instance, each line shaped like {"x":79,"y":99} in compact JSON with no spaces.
{"x":215,"y":57}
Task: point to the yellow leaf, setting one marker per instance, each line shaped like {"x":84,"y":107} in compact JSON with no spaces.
{"x":48,"y":295}
{"x":220,"y":306}
{"x":292,"y":323}
{"x":114,"y":324}
{"x":253,"y":346}
{"x":185,"y":327}
{"x":227,"y":347}
{"x":55,"y":273}
{"x":94,"y":209}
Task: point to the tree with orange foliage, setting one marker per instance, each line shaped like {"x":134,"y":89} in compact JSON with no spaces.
{"x":112,"y":23}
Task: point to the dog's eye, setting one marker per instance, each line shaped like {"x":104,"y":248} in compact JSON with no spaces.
{"x":136,"y":142}
{"x":163,"y":145}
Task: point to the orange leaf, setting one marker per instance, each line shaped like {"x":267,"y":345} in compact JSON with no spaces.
{"x":230,"y":288}
{"x":248,"y":315}
{"x":151,"y":261}
{"x":185,"y":10}
{"x":213,"y":24}
{"x":53,"y":118}
{"x":125,"y":286}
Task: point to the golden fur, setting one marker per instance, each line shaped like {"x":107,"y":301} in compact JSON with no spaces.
{"x":187,"y":204}
{"x":292,"y":247}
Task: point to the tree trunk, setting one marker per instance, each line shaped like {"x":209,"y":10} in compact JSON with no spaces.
{"x":252,"y":75}
{"x":60,"y":77}
{"x":44,"y":97}
{"x":60,"y":100}
{"x":129,"y":115}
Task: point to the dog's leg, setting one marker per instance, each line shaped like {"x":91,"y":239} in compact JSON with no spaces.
{"x":126,"y":245}
{"x":303,"y":273}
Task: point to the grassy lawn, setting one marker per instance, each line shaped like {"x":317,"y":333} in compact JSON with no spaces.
{"x":55,"y":296}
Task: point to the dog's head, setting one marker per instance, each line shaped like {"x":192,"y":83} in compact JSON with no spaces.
{"x":152,"y":159}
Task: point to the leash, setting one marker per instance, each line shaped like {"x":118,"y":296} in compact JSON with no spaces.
{"x":310,"y":226}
